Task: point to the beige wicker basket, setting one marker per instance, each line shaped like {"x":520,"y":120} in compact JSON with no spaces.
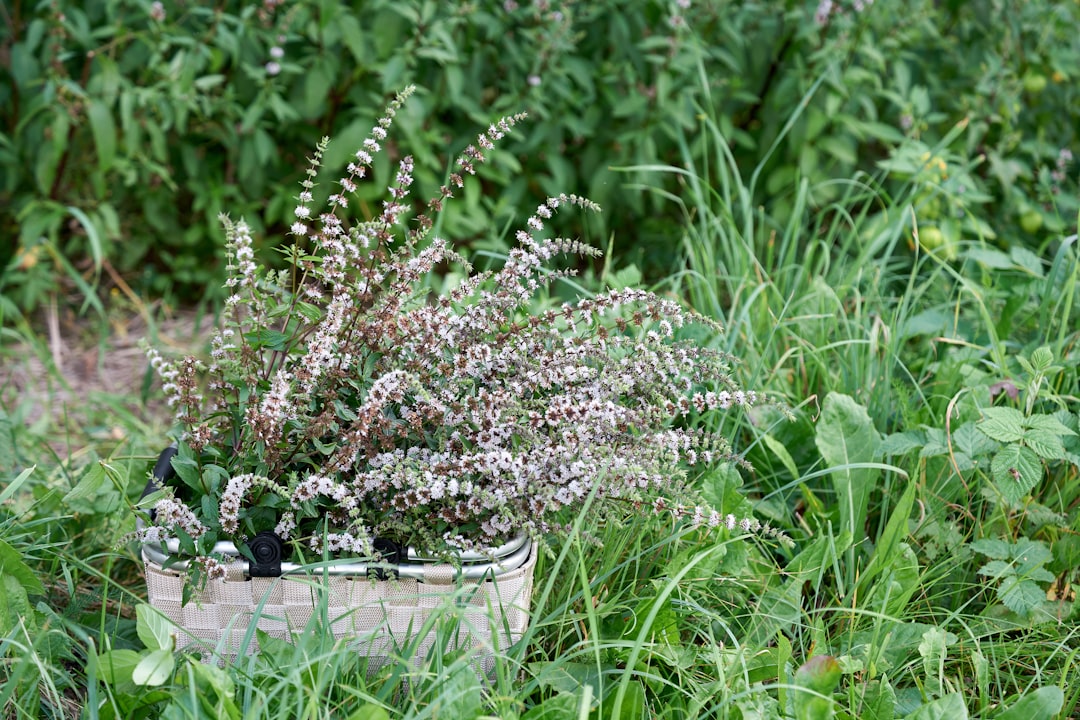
{"x":377,"y":616}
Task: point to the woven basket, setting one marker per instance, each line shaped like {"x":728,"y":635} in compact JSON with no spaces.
{"x":377,"y":616}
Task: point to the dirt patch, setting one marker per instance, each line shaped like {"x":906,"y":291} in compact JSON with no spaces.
{"x":72,"y":368}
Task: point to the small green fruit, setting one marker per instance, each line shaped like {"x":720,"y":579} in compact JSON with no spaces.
{"x":1034,"y":83}
{"x":1031,"y":221}
{"x":931,"y":238}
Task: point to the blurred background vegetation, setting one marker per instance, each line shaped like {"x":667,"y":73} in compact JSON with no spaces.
{"x":127,"y":127}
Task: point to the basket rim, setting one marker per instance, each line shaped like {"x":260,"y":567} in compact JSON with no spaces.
{"x":474,"y":565}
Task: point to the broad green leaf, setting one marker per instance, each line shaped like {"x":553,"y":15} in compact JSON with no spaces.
{"x":1041,"y":704}
{"x":370,"y":712}
{"x":950,"y":707}
{"x":12,"y":565}
{"x":1043,"y":357}
{"x":903,"y":442}
{"x":154,"y":629}
{"x":934,"y":649}
{"x":888,"y":545}
{"x":846,"y":437}
{"x":777,"y":612}
{"x":14,"y":606}
{"x":116,"y":666}
{"x":1003,"y":424}
{"x":1030,"y":554}
{"x":878,"y":701}
{"x":562,"y":706}
{"x":103,"y":129}
{"x":1016,"y":470}
{"x":154,"y":668}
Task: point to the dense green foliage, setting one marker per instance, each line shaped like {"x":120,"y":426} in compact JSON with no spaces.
{"x":125,"y":128}
{"x":879,"y":203}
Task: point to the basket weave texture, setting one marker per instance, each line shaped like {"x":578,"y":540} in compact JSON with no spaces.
{"x":376,"y":616}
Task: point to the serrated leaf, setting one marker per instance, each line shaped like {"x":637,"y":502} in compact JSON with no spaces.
{"x":1003,"y":424}
{"x":970,"y":440}
{"x":903,"y":442}
{"x":1045,"y":445}
{"x":153,"y":628}
{"x":997,"y":549}
{"x":1030,"y":554}
{"x":936,"y":443}
{"x":154,"y":669}
{"x":1042,"y":358}
{"x":1020,"y":596}
{"x":1016,"y":470}
{"x":996,"y":569}
{"x":1040,"y":704}
{"x":1047,"y":423}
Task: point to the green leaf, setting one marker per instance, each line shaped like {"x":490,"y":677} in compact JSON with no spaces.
{"x":1003,"y":424}
{"x":1042,"y":358}
{"x":878,"y":701}
{"x":969,"y":440}
{"x":997,"y":549}
{"x":154,"y":629}
{"x":950,"y":707}
{"x":1045,"y":445}
{"x":1020,"y":596}
{"x":934,"y":650}
{"x":370,"y":712}
{"x":997,"y":569}
{"x":888,"y":545}
{"x":116,"y":666}
{"x":1047,"y":423}
{"x":103,"y":129}
{"x":154,"y":668}
{"x":12,"y":565}
{"x":13,"y":487}
{"x":7,"y":444}
{"x":1041,"y":704}
{"x":845,"y":437}
{"x":94,"y":494}
{"x":562,"y":706}
{"x":14,"y":606}
{"x":1016,"y":470}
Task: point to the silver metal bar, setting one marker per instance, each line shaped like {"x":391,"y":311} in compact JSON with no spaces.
{"x":503,"y":559}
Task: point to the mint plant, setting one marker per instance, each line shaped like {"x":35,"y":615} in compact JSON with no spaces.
{"x":1018,"y":569}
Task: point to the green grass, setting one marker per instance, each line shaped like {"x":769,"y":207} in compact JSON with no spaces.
{"x":889,"y":358}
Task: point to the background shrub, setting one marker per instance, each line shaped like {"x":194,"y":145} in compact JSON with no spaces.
{"x":127,"y":127}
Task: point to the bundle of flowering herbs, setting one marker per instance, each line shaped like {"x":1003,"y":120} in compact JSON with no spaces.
{"x":343,"y":402}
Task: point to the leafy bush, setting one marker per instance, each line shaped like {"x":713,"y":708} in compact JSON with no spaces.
{"x":126,"y":128}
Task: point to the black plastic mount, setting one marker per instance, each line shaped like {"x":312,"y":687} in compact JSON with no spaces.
{"x":266,"y":550}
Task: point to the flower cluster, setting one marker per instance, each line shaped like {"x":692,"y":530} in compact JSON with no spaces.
{"x":347,"y":402}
